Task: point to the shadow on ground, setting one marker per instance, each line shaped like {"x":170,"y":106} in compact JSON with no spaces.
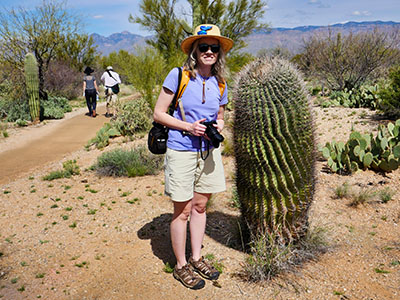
{"x":223,"y":228}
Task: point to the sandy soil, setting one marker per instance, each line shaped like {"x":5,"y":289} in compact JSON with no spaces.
{"x":91,"y":237}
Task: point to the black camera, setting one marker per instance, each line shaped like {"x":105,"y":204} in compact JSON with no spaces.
{"x":213,"y":134}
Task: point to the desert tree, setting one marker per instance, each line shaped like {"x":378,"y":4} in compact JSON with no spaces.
{"x":172,"y":24}
{"x":348,"y":61}
{"x":49,"y":31}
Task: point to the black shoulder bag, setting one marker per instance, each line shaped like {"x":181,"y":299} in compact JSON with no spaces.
{"x":115,"y":87}
{"x":158,"y":135}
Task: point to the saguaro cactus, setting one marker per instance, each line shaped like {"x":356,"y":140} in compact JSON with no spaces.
{"x":32,"y":86}
{"x":274,"y":149}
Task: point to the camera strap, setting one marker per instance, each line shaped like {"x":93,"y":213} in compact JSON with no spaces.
{"x":201,"y":151}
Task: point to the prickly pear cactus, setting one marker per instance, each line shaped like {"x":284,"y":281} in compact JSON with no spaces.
{"x":274,"y":149}
{"x":364,"y":151}
{"x":32,"y":86}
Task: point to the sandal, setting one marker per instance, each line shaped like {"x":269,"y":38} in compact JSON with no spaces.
{"x":204,"y":268}
{"x":188,"y":277}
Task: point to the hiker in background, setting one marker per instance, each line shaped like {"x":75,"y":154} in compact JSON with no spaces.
{"x":90,"y":91}
{"x":111,"y":81}
{"x":190,"y":180}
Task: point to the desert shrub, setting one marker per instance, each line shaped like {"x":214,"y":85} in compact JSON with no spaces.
{"x":102,"y":138}
{"x":386,"y":195}
{"x":228,"y":149}
{"x":12,"y":110}
{"x":70,"y":168}
{"x":6,"y":88}
{"x":21,"y":123}
{"x":54,"y":107}
{"x":130,"y":163}
{"x":362,"y":196}
{"x":133,"y":116}
{"x":342,"y":191}
{"x":62,"y":80}
{"x":390,"y":94}
{"x":3,"y":129}
{"x":55,"y":175}
{"x":268,"y":257}
{"x":349,"y":61}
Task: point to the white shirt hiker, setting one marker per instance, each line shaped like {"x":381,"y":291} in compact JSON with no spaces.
{"x":108,"y":80}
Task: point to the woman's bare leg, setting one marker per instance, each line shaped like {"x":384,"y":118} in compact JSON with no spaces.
{"x":178,"y":231}
{"x":198,"y":223}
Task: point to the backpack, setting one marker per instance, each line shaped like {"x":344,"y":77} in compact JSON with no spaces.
{"x":158,"y":135}
{"x":115,"y":87}
{"x":183,"y":80}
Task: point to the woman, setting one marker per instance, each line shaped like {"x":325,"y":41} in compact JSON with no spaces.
{"x":90,"y":91}
{"x":190,"y":180}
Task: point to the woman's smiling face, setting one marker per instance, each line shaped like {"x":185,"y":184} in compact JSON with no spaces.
{"x":207,"y":58}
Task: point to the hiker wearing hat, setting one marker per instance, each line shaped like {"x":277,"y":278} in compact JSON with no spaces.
{"x":191,"y":179}
{"x":111,"y":82}
{"x":90,"y":91}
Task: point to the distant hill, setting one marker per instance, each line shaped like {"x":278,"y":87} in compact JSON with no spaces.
{"x":290,"y":38}
{"x":118,"y":41}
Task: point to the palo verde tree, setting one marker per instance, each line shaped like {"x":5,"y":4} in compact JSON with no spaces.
{"x":236,"y":19}
{"x":348,"y":61}
{"x":46,"y":31}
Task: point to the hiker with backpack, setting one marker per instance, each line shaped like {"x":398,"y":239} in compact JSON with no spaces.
{"x":90,"y":91}
{"x":111,"y":82}
{"x":193,"y":163}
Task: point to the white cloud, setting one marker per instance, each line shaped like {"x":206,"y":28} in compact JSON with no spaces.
{"x":318,"y":3}
{"x":98,"y":17}
{"x":361,"y":13}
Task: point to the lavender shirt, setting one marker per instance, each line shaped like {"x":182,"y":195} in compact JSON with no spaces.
{"x":194,"y":108}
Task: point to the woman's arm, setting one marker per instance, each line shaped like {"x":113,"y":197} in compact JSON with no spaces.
{"x":84,"y":88}
{"x":95,"y":86}
{"x":220,"y":118}
{"x":161,"y":115}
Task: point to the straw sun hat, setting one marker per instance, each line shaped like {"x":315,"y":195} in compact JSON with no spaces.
{"x":206,"y":30}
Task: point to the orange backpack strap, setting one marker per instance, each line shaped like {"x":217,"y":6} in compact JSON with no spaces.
{"x":182,"y":85}
{"x":183,"y":82}
{"x":221,"y":86}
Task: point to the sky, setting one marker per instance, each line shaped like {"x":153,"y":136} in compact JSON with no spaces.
{"x":106,"y":17}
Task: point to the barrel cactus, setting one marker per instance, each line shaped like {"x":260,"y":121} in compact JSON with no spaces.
{"x":274,"y":149}
{"x":32,"y":86}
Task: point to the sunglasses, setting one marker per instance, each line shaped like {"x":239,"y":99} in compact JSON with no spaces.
{"x":204,"y":48}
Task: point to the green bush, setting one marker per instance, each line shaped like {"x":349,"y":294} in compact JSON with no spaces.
{"x":12,"y":110}
{"x":133,"y":116}
{"x":54,"y":107}
{"x":102,"y":138}
{"x":70,"y":168}
{"x":21,"y":123}
{"x":390,"y":94}
{"x":130,"y":163}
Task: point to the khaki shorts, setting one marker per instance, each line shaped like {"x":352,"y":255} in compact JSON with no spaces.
{"x":186,"y":172}
{"x":111,"y":98}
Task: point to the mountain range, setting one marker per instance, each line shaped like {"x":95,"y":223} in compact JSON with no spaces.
{"x":290,"y":38}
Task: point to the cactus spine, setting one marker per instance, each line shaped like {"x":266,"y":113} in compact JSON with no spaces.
{"x":32,"y":86}
{"x":274,"y":149}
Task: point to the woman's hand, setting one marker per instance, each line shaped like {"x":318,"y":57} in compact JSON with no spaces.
{"x":220,"y":125}
{"x":198,"y":129}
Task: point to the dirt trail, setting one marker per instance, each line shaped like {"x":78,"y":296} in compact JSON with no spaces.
{"x":56,"y":139}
